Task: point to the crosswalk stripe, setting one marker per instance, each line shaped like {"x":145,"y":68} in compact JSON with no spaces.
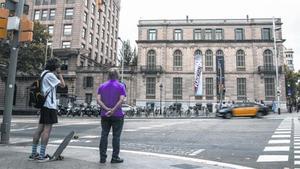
{"x":272,"y":158}
{"x":277,"y":148}
{"x":281,"y":136}
{"x":279,"y":141}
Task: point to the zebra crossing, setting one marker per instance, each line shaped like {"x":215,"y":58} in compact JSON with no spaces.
{"x":284,"y":144}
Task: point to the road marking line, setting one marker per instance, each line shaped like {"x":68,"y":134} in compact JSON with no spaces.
{"x":283,"y":129}
{"x":282,"y":132}
{"x":130,"y":130}
{"x":296,"y":152}
{"x":215,"y":163}
{"x":296,"y":147}
{"x":89,"y":137}
{"x":272,"y":158}
{"x":297,"y":157}
{"x":279,"y":141}
{"x":277,"y":148}
{"x":281,"y":136}
{"x":196,"y":152}
{"x":297,"y":144}
{"x":297,"y":163}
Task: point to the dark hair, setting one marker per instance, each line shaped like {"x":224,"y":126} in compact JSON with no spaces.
{"x":52,"y":64}
{"x":113,"y":73}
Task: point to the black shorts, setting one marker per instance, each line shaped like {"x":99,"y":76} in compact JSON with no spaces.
{"x":48,"y":116}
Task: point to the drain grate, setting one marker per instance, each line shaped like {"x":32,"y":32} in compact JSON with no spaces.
{"x":185,"y":166}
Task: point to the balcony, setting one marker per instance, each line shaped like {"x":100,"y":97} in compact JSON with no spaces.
{"x":151,"y":69}
{"x":269,"y":69}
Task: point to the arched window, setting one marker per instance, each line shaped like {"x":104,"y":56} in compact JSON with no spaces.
{"x":151,"y":58}
{"x":268,"y":59}
{"x":208,"y":60}
{"x":240,"y":60}
{"x":177,"y":60}
{"x":198,"y":52}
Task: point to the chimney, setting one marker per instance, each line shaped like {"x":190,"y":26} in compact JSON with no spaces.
{"x":247,"y":18}
{"x":187,"y":18}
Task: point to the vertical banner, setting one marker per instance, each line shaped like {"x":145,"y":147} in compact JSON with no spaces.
{"x":198,"y":75}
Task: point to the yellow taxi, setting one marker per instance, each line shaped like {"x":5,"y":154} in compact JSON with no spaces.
{"x":241,"y":110}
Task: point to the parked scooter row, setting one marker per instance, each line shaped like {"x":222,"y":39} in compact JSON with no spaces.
{"x":80,"y":110}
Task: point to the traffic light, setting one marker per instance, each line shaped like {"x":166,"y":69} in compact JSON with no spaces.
{"x":3,"y":22}
{"x":26,"y":30}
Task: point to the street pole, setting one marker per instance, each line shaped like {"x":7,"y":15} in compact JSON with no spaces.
{"x":160,"y":87}
{"x":122,"y":61}
{"x":46,"y":54}
{"x":11,"y":78}
{"x":276,"y":66}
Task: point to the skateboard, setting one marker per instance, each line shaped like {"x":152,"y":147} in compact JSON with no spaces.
{"x":61,"y":147}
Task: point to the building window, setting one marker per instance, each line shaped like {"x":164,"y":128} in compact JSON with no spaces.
{"x":67,"y":30}
{"x":97,"y":43}
{"x":53,"y":2}
{"x":150,"y":87}
{"x":38,"y":2}
{"x":50,"y":29}
{"x":152,"y":34}
{"x":88,"y":82}
{"x":208,"y":34}
{"x":219,"y":34}
{"x":266,"y":33}
{"x":66,"y":44}
{"x":240,"y":60}
{"x":45,"y":2}
{"x":88,"y":98}
{"x":103,"y":34}
{"x":177,"y":88}
{"x":44,"y":15}
{"x":93,"y":9}
{"x":83,"y":33}
{"x":198,"y":52}
{"x":85,"y":17}
{"x":268,"y":60}
{"x":70,"y":1}
{"x":209,"y":87}
{"x":69,"y":12}
{"x":91,"y":38}
{"x":86,"y":3}
{"x":241,"y":89}
{"x":208,"y":60}
{"x":269,"y":89}
{"x":83,"y":46}
{"x":151,"y":59}
{"x":52,"y":14}
{"x":177,"y":34}
{"x":177,"y":60}
{"x":197,"y":34}
{"x":102,"y":47}
{"x":239,"y":34}
{"x":98,"y":29}
{"x":92,"y":23}
{"x":37,"y":14}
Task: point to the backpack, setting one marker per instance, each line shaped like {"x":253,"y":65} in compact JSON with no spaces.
{"x":37,"y":99}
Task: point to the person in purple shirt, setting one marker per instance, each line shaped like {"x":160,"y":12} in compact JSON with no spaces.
{"x":111,"y":95}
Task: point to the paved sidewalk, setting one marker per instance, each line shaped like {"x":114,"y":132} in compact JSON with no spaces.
{"x":15,"y":157}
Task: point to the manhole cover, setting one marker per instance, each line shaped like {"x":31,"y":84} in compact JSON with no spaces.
{"x":185,"y":166}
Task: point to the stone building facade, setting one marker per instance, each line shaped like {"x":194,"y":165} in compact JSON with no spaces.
{"x":238,"y":51}
{"x":84,"y":37}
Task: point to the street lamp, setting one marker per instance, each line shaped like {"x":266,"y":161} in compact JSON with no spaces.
{"x":160,"y":88}
{"x":122,"y":61}
{"x":276,"y":67}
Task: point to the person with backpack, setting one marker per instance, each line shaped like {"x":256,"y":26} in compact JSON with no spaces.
{"x":110,"y":97}
{"x":50,"y":79}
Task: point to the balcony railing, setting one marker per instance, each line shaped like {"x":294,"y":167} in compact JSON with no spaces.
{"x":269,"y":69}
{"x":151,"y":69}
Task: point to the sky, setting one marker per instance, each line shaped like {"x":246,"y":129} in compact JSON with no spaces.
{"x":288,"y":10}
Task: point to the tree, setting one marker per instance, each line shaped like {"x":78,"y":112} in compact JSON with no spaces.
{"x":31,"y":55}
{"x":292,"y":86}
{"x":130,"y":57}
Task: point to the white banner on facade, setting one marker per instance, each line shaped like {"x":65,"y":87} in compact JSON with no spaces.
{"x":198,"y":75}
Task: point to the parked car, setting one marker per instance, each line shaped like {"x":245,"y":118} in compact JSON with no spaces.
{"x":242,"y":110}
{"x":127,"y":108}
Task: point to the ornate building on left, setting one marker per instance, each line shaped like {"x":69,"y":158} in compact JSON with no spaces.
{"x":84,"y":37}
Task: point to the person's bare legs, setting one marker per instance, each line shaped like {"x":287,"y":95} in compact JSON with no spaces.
{"x":36,"y":138}
{"x":45,"y":138}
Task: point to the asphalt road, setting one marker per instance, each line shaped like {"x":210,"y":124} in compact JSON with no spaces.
{"x":239,"y":141}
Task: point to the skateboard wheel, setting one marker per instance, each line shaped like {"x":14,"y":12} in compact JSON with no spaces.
{"x":75,"y":137}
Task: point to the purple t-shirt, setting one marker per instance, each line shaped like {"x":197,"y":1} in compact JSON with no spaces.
{"x":110,"y":92}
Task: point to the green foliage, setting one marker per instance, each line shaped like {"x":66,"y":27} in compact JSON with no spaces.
{"x":129,"y":55}
{"x":292,"y":84}
{"x":31,"y":55}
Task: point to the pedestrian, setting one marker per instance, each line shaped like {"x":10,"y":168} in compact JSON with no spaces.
{"x":111,"y":95}
{"x":273,"y":106}
{"x":48,"y":113}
